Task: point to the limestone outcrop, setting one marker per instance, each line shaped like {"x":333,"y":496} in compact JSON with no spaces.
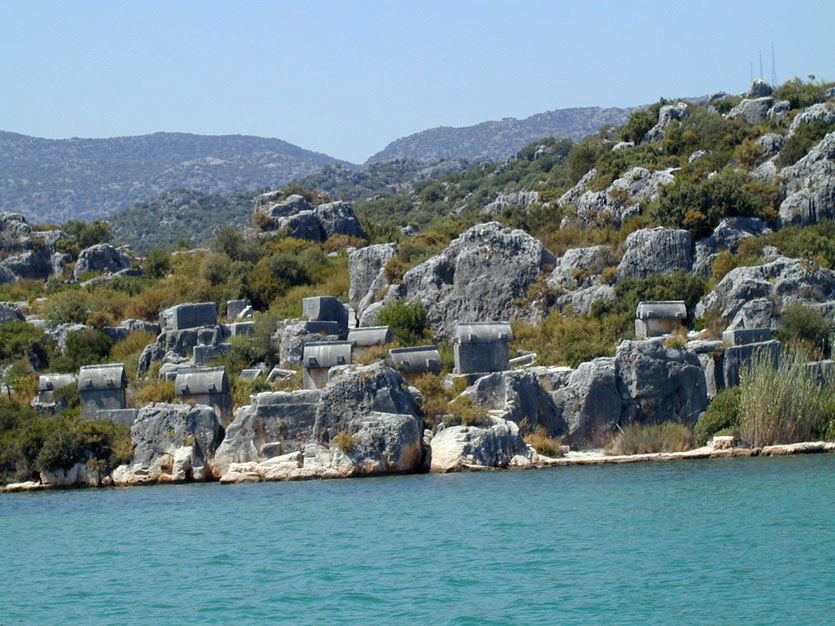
{"x":27,"y":253}
{"x":103,"y":258}
{"x":622,"y":199}
{"x":809,"y":185}
{"x":668,"y":114}
{"x":756,"y":110}
{"x":304,"y":221}
{"x":458,"y":448}
{"x":365,"y":269}
{"x":172,"y":443}
{"x":517,"y":199}
{"x":482,"y":275}
{"x":730,"y":232}
{"x":755,"y":297}
{"x":656,"y":251}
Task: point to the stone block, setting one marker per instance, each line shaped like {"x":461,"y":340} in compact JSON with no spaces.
{"x":203,"y":355}
{"x":189,"y":315}
{"x":744,"y":336}
{"x":737,"y":357}
{"x":234,"y":308}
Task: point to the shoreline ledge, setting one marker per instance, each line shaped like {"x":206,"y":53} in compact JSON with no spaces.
{"x":589,"y":457}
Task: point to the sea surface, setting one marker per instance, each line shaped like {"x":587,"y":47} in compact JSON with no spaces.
{"x":718,"y":541}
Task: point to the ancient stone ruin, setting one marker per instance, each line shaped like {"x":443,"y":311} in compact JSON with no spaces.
{"x":369,"y":336}
{"x":319,"y":357}
{"x":414,"y":362}
{"x":102,"y":388}
{"x":209,"y":386}
{"x":653,"y":319}
{"x":482,"y":347}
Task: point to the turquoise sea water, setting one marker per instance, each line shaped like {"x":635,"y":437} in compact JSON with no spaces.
{"x":705,"y":541}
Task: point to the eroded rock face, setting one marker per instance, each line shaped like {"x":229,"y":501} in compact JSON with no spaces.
{"x":303,"y":221}
{"x":172,"y":443}
{"x":623,"y":197}
{"x":656,"y":251}
{"x":480,"y":276}
{"x":667,"y":115}
{"x":822,"y":112}
{"x":9,"y":313}
{"x":644,"y":382}
{"x":365,"y":269}
{"x":579,"y":267}
{"x":102,"y":257}
{"x":28,"y":253}
{"x":809,"y":185}
{"x":470,"y":447}
{"x":750,"y":297}
{"x":275,"y":424}
{"x":520,"y":398}
{"x":517,"y":199}
{"x":730,"y":232}
{"x":756,"y":110}
{"x":759,"y":89}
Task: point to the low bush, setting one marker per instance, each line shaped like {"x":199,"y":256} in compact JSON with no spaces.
{"x":344,"y":441}
{"x":721,"y":415}
{"x":156,"y":391}
{"x":543,"y":444}
{"x":407,"y":321}
{"x":648,"y":438}
{"x":805,"y":328}
{"x":463,"y":413}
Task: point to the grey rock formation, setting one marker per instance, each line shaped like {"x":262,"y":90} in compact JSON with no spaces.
{"x":10,"y":312}
{"x":756,"y":296}
{"x":480,"y":276}
{"x":365,"y":269}
{"x":759,"y":89}
{"x":304,"y":221}
{"x":756,"y":110}
{"x":829,"y":93}
{"x":276,"y":423}
{"x":28,"y":253}
{"x":822,"y":112}
{"x":667,"y":115}
{"x":293,"y":334}
{"x":469,"y":447}
{"x":772,"y":143}
{"x":518,"y":396}
{"x":623,"y":145}
{"x":580,"y":267}
{"x":623,"y":197}
{"x":698,"y":155}
{"x":172,"y":443}
{"x":102,"y":257}
{"x":573,"y":194}
{"x":582,"y":300}
{"x":726,"y":236}
{"x":656,"y":251}
{"x":645,"y":382}
{"x":809,"y":185}
{"x":518,"y":199}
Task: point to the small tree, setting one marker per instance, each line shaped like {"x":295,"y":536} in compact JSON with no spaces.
{"x":406,"y":320}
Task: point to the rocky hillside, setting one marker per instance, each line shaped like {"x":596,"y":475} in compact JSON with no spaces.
{"x":54,"y":180}
{"x":498,"y":139}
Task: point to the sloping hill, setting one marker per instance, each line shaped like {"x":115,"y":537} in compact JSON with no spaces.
{"x":53,"y":180}
{"x":500,"y":138}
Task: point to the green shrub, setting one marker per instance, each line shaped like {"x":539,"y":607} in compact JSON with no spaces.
{"x":407,"y":321}
{"x":648,"y":438}
{"x":157,"y":263}
{"x":22,"y":340}
{"x":462,"y":412}
{"x":84,"y":347}
{"x":544,"y":444}
{"x":801,"y":141}
{"x":783,"y":402}
{"x":67,"y":307}
{"x":801,"y":93}
{"x":721,"y":414}
{"x":804,"y":325}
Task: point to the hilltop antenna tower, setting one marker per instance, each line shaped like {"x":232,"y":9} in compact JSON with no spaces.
{"x":773,"y":70}
{"x":761,"y":64}
{"x":751,"y":71}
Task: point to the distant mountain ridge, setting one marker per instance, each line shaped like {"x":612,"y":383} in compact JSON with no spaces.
{"x":498,"y":139}
{"x":53,"y":180}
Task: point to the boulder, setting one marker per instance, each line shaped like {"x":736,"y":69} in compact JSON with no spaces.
{"x":756,"y":110}
{"x":809,"y":185}
{"x":483,"y":275}
{"x":291,"y":335}
{"x":771,"y":143}
{"x":622,"y":199}
{"x":10,"y":312}
{"x":668,"y":114}
{"x":517,"y":199}
{"x":726,"y":236}
{"x":592,"y":402}
{"x":759,"y":89}
{"x":275,"y":424}
{"x":748,"y":296}
{"x":582,"y":300}
{"x":580,"y":267}
{"x":338,"y":218}
{"x":365,"y":269}
{"x":656,"y":251}
{"x":470,"y":447}
{"x":518,"y":396}
{"x":35,"y":263}
{"x":172,"y":443}
{"x":573,"y":194}
{"x":303,"y":221}
{"x":698,"y":155}
{"x":822,"y":112}
{"x":103,"y":258}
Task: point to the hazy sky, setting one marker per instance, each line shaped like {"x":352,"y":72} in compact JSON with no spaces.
{"x":346,"y":78}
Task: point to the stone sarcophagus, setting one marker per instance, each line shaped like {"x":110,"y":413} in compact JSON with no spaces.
{"x":48,"y":383}
{"x":482,"y":347}
{"x":102,"y":388}
{"x":662,"y":317}
{"x":326,"y":309}
{"x":367,"y":337}
{"x":317,"y":359}
{"x":414,"y":362}
{"x":206,"y":385}
{"x":188,"y":315}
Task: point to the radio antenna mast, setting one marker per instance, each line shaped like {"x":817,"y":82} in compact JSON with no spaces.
{"x":751,"y":71}
{"x":773,"y":68}
{"x":761,"y":64}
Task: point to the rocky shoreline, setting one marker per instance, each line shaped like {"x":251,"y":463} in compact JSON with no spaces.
{"x":571,"y":459}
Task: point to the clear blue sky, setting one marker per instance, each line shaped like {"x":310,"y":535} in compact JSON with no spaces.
{"x":346,"y":78}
